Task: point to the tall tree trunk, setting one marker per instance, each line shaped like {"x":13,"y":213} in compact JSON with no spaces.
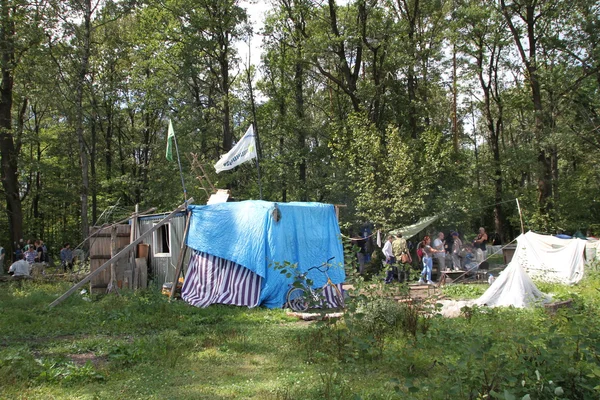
{"x":411,"y":14}
{"x":94,"y":177}
{"x":491,"y":93}
{"x":8,"y":150}
{"x":83,"y":150}
{"x":225,"y":86}
{"x":300,"y":129}
{"x":529,"y":58}
{"x":109,"y":138}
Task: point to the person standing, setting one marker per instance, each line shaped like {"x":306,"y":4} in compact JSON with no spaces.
{"x":2,"y":256}
{"x":20,"y":267}
{"x":390,"y":260}
{"x":439,"y":244}
{"x":428,"y":252}
{"x":39,"y":250}
{"x":480,"y":243}
{"x":400,"y":250}
{"x":45,"y":255}
{"x":66,"y":257}
{"x":456,"y":246}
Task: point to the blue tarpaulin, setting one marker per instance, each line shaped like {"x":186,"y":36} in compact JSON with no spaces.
{"x":248,"y":233}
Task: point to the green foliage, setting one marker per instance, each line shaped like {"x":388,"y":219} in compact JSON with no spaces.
{"x":463,"y":292}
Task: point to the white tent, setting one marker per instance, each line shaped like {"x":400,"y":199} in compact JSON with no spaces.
{"x":513,"y":288}
{"x":541,"y":257}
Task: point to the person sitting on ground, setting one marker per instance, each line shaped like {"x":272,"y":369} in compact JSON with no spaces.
{"x":456,"y":248}
{"x":20,"y":267}
{"x":66,"y":257}
{"x":30,"y":255}
{"x":39,"y":257}
{"x":402,"y":255}
{"x":390,"y":260}
{"x":428,"y":252}
{"x":18,"y":252}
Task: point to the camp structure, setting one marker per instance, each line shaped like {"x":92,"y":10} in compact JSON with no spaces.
{"x":118,"y":254}
{"x":153,"y":259}
{"x":162,"y":247}
{"x":237,"y":251}
{"x":541,"y":257}
{"x":551,"y":259}
{"x":513,"y":288}
{"x":248,"y":253}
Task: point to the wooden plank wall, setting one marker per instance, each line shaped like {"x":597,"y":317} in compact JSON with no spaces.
{"x":100,"y":253}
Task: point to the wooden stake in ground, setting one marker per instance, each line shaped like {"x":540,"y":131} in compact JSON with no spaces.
{"x":181,"y":255}
{"x":119,"y":255}
{"x":112,"y":285}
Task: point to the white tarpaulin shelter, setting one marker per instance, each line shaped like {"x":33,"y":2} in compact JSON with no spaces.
{"x":543,"y":257}
{"x":592,"y":249}
{"x":551,"y":259}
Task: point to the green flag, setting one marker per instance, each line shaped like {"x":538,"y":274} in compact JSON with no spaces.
{"x":170,"y":138}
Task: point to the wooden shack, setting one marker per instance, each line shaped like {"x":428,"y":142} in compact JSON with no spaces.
{"x":164,"y":246}
{"x":156,"y":256}
{"x":105,"y":242}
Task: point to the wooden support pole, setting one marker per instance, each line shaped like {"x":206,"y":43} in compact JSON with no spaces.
{"x":119,"y":255}
{"x":181,"y":255}
{"x":112,"y":285}
{"x":520,"y":216}
{"x":132,"y":236}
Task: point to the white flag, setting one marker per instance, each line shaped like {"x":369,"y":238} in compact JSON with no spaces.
{"x":243,"y":151}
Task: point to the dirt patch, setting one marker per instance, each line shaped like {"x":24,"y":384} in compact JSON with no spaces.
{"x":84,"y":358}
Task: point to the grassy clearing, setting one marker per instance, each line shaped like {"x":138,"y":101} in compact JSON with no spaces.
{"x":140,"y":346}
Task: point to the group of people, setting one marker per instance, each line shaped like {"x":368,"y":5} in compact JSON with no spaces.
{"x":398,"y":258}
{"x":36,"y":253}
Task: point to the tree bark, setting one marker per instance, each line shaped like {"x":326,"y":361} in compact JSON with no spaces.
{"x":529,"y":59}
{"x":83,"y":149}
{"x":8,"y":150}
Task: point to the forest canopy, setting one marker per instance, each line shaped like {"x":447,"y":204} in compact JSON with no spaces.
{"x":397,"y":109}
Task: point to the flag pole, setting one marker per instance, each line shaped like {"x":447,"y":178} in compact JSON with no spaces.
{"x":169,"y":155}
{"x":258,"y":164}
{"x":180,"y":170}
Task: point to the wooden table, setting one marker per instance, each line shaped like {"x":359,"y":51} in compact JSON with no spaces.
{"x":457,"y":276}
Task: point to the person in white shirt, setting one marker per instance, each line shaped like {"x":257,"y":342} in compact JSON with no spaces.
{"x":439,"y":244}
{"x":20,"y":267}
{"x":390,"y":260}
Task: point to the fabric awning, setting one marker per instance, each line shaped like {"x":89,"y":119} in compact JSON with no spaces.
{"x":411,"y":230}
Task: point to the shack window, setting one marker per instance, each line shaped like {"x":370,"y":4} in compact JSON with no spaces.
{"x":162,"y":241}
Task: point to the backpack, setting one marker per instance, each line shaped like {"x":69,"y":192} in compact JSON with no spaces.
{"x":420,"y":252}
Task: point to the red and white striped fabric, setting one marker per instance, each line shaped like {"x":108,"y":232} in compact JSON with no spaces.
{"x":213,"y":280}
